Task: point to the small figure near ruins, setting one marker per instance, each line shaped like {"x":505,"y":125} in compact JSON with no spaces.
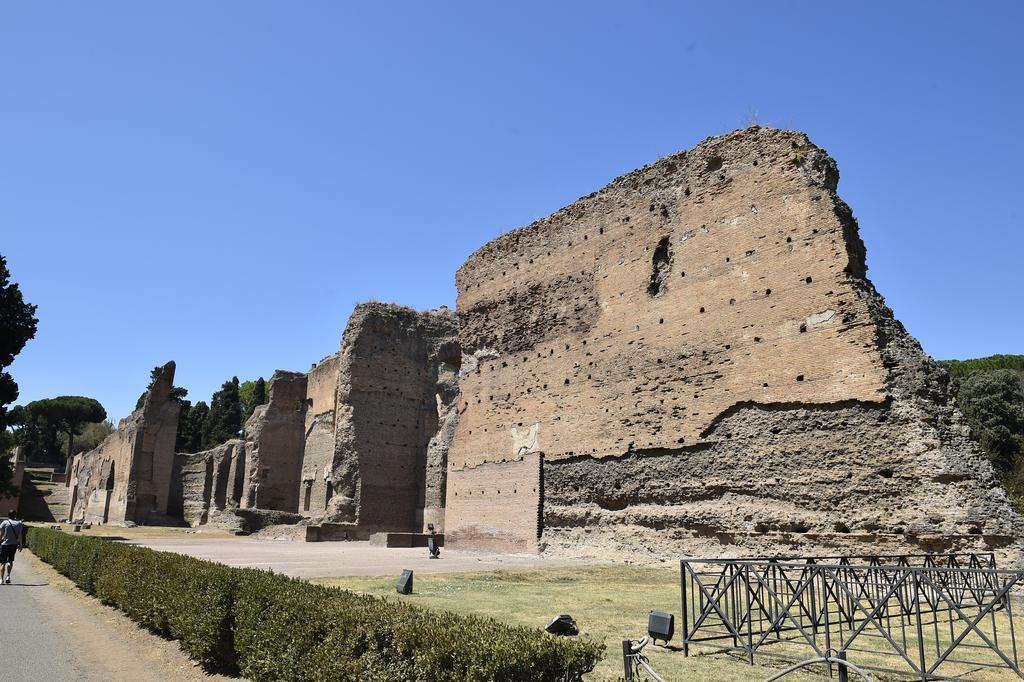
{"x":12,"y":540}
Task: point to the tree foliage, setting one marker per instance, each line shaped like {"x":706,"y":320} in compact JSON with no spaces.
{"x":224,"y":421}
{"x":91,"y":436}
{"x":190,"y":427}
{"x":17,"y":327}
{"x":252,"y":394}
{"x":990,"y":393}
{"x":44,"y":421}
{"x":961,"y":369}
{"x":993,"y":403}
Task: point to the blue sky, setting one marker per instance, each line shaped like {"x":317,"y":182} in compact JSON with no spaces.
{"x":219,"y":183}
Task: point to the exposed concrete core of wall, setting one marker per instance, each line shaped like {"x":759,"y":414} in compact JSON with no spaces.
{"x":390,"y":421}
{"x":695,"y":356}
{"x":208,"y":482}
{"x":273,"y":444}
{"x":128,"y":477}
{"x":315,"y":486}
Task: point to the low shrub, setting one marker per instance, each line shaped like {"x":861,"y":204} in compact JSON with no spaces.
{"x":271,"y":627}
{"x":176,"y":596}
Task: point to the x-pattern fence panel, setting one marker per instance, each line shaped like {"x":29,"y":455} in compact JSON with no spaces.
{"x":928,"y":617}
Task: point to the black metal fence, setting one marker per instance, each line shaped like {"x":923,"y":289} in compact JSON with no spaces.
{"x":927,"y":617}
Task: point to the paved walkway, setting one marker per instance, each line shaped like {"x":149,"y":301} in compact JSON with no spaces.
{"x":31,"y":634}
{"x":51,"y":631}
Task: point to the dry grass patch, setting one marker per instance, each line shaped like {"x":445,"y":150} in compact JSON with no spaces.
{"x":609,"y":603}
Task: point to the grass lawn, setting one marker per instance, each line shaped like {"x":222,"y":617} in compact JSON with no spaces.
{"x":610,"y":603}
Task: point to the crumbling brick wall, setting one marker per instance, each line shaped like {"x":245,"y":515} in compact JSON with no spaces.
{"x":207,"y":482}
{"x":395,"y":380}
{"x":128,"y":477}
{"x":698,"y":356}
{"x":273,"y":445}
{"x":319,"y":436}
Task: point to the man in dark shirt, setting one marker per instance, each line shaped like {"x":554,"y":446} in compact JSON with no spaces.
{"x":12,"y":539}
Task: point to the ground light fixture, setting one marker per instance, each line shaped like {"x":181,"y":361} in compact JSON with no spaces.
{"x":660,"y":625}
{"x":563,"y":625}
{"x":405,"y":582}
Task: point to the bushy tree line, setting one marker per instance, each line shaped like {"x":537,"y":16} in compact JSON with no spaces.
{"x":17,"y":327}
{"x":48,"y":428}
{"x":961,"y":369}
{"x":203,"y":426}
{"x":990,"y":393}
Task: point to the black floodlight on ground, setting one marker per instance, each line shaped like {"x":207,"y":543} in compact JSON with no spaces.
{"x":660,"y":625}
{"x":435,"y":551}
{"x":405,"y":582}
{"x":563,"y":625}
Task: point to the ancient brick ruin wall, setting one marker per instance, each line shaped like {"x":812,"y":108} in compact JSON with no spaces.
{"x":316,"y":488}
{"x":17,"y":463}
{"x":391,"y":364}
{"x":444,"y":367}
{"x":502,"y":495}
{"x":699,"y":358}
{"x":273,"y":445}
{"x":207,"y":482}
{"x":128,"y":477}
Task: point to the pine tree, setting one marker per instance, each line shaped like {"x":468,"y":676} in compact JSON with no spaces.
{"x":251,"y":394}
{"x":225,"y":418}
{"x":260,"y":394}
{"x":190,"y":427}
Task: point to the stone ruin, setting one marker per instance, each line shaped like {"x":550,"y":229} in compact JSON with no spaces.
{"x":376,"y":448}
{"x":356,"y":446}
{"x":16,"y":460}
{"x":127,"y":479}
{"x":693,"y":361}
{"x":689,"y":361}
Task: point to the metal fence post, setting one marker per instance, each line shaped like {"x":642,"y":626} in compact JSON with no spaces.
{"x":627,"y":660}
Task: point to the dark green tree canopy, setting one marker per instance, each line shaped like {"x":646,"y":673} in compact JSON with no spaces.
{"x":225,"y":418}
{"x":993,"y":403}
{"x":43,"y":420}
{"x":252,"y":394}
{"x":990,"y":393}
{"x":961,"y":369}
{"x":17,"y":326}
{"x":190,"y":427}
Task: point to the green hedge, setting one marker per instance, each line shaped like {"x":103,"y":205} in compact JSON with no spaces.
{"x":271,"y":627}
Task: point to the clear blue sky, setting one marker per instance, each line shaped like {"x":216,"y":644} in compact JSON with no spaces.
{"x":219,"y":183}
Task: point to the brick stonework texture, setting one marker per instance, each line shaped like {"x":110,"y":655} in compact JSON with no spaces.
{"x":699,"y":357}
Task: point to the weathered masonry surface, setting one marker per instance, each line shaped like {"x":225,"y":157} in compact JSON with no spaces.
{"x":375,"y":449}
{"x":695,"y":358}
{"x":128,"y":477}
{"x":208,"y":482}
{"x":274,"y":437}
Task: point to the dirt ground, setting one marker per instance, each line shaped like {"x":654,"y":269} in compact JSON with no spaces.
{"x":327,"y":559}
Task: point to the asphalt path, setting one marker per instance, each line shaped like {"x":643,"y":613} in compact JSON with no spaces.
{"x":36,"y":643}
{"x":52,"y":632}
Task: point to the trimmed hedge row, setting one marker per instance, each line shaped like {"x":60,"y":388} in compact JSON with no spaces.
{"x":271,"y":627}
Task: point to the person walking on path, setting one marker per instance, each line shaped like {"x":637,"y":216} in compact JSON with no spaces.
{"x":12,"y":539}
